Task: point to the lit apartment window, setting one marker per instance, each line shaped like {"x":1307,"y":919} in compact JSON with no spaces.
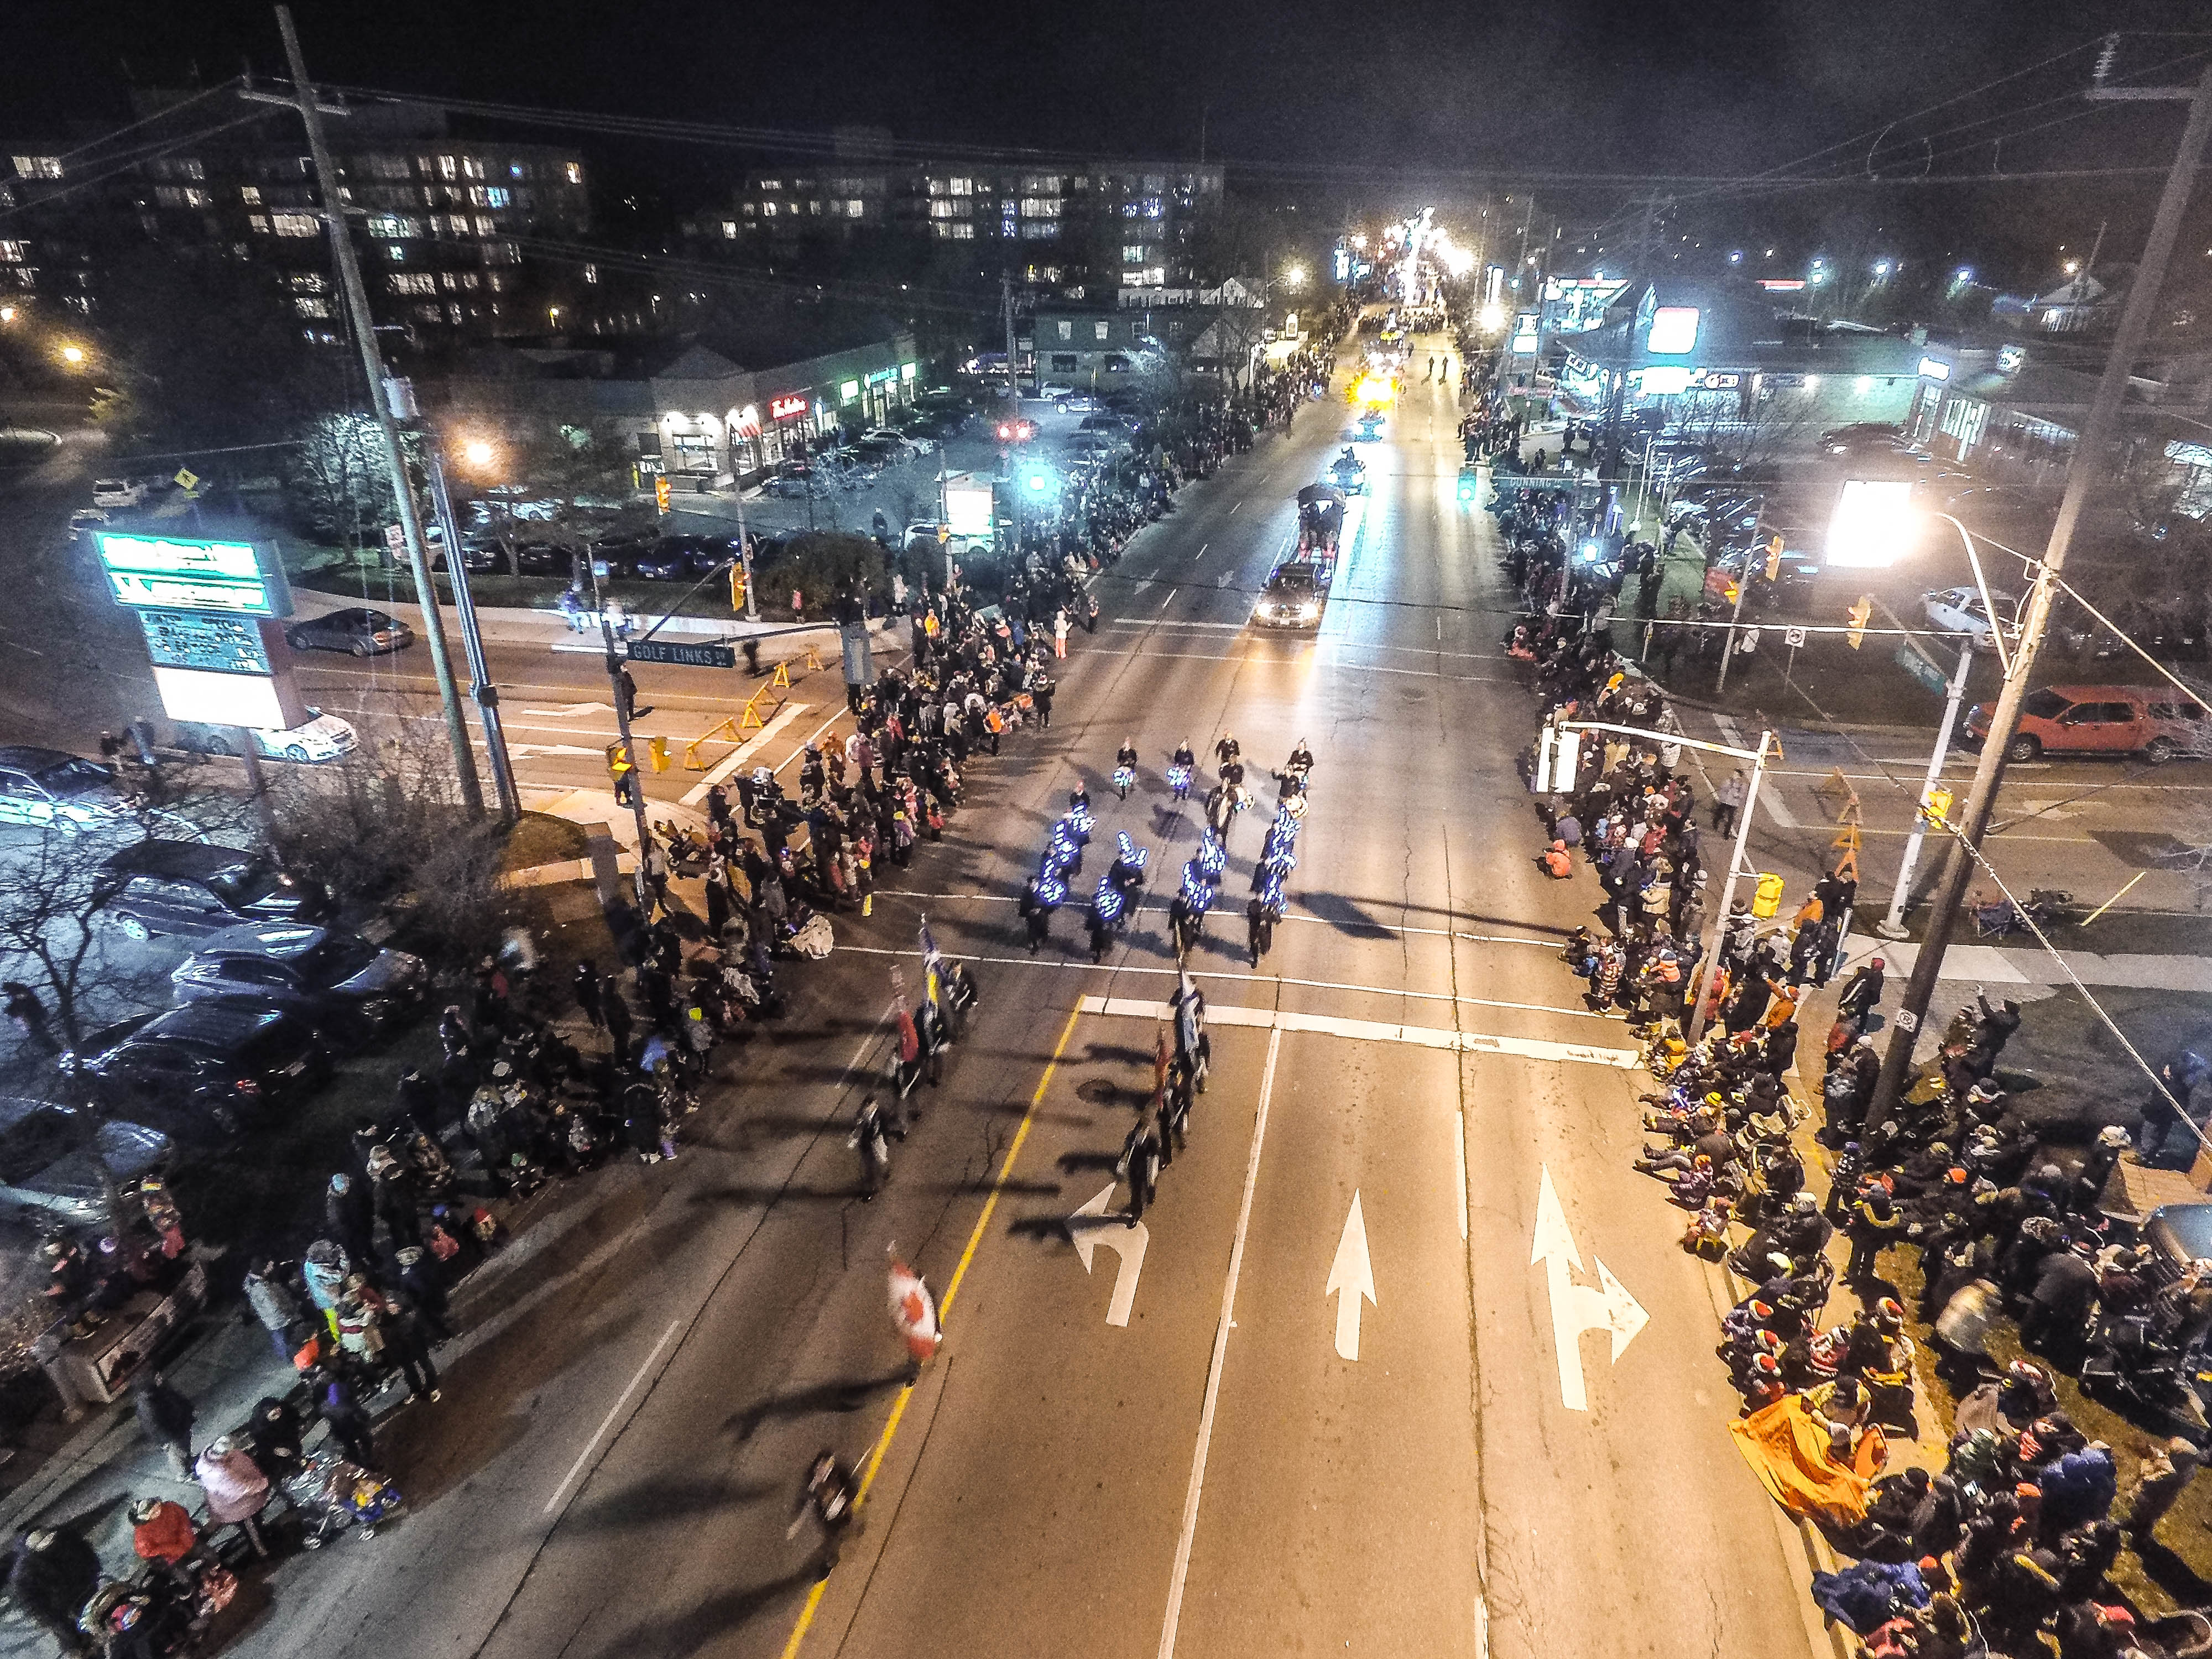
{"x":472,"y":167}
{"x":413,"y":282}
{"x":78,"y":303}
{"x":307,"y":281}
{"x":312,"y":307}
{"x":815,"y":208}
{"x":1133,"y":253}
{"x":749,"y":210}
{"x":1099,"y":329}
{"x":575,"y":171}
{"x":1067,"y":329}
{"x":189,"y":168}
{"x":591,"y":274}
{"x":947,"y":210}
{"x":730,"y":228}
{"x":250,"y":194}
{"x":496,"y":282}
{"x":394,"y":251}
{"x":293,"y":224}
{"x":963,"y":186}
{"x":38,"y":167}
{"x":1040,"y":207}
{"x":855,"y":206}
{"x":448,"y":167}
{"x":257,"y":222}
{"x":768,"y":185}
{"x":486,"y":225}
{"x":768,"y":209}
{"x":937,"y":187}
{"x":1040,"y":230}
{"x":11,"y":254}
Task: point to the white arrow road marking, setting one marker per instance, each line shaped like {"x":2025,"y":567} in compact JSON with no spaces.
{"x":1091,"y":1226}
{"x":569,"y":711}
{"x":1578,"y":1308}
{"x":532,"y":750}
{"x":1352,"y":1274}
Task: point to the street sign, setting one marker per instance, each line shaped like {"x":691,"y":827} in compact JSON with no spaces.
{"x":187,"y":572}
{"x":187,"y":479}
{"x":683,"y":656}
{"x":395,"y":538}
{"x":1915,"y":662}
{"x":195,"y":639}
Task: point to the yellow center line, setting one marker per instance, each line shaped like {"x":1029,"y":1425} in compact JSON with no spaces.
{"x":945,"y":1308}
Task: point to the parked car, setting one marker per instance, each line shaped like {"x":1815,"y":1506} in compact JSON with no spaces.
{"x":903,"y":443}
{"x":88,"y":521}
{"x":338,"y":980}
{"x":680,"y":558}
{"x":118,"y":492}
{"x":1959,"y":610}
{"x":47,"y":788}
{"x":357,"y":628}
{"x":1078,"y":403}
{"x":481,"y":555}
{"x":196,"y":888}
{"x":882,"y":452}
{"x":324,"y":738}
{"x":620,"y":552}
{"x":542,"y":559}
{"x":2155,"y":721}
{"x":198,"y":1071}
{"x":57,"y":1163}
{"x":1862,"y":438}
{"x":1053,"y":390}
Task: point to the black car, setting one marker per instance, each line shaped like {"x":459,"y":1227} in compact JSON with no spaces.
{"x":680,"y":558}
{"x":339,"y":981}
{"x":540,"y":559}
{"x":621,"y":552}
{"x":1862,"y":438}
{"x":1294,"y":597}
{"x":193,"y":888}
{"x":202,"y":1070}
{"x":482,"y":556}
{"x":358,"y":628}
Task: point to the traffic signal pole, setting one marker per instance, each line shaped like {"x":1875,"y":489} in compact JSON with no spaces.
{"x":2088,"y":464}
{"x":387,"y":424}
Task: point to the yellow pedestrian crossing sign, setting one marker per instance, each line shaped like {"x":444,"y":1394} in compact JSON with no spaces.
{"x":187,"y":479}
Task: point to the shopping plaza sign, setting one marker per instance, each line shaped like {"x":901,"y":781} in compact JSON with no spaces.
{"x":185,"y":573}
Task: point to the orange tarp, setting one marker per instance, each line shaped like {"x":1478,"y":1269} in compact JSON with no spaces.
{"x":1788,"y":1450}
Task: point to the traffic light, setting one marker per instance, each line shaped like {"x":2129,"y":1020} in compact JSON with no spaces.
{"x":1858,"y":614}
{"x":656,"y":749}
{"x":1773,"y":558}
{"x":738,"y":588}
{"x":660,"y":492}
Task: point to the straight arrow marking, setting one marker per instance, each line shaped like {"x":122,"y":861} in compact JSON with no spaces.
{"x":1353,"y":1274}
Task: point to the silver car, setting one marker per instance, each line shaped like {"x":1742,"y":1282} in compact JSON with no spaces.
{"x":51,"y":1160}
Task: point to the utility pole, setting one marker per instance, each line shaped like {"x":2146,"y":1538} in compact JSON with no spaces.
{"x":480,"y":686}
{"x":1893,"y":925}
{"x":395,"y":458}
{"x":630,"y":753}
{"x":2087,"y":464}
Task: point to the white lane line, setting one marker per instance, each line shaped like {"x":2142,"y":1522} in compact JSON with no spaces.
{"x":1370,"y":1031}
{"x":738,"y":757}
{"x":608,"y":1421}
{"x":1459,"y":1152}
{"x":1782,"y":816}
{"x":811,"y":737}
{"x":1320,"y":921}
{"x":1231,"y":627}
{"x":1181,"y":1573}
{"x":1240,"y":502}
{"x":1247,"y":979}
{"x":1200,"y":553}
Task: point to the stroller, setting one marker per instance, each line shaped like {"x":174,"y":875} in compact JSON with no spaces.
{"x":332,"y":1494}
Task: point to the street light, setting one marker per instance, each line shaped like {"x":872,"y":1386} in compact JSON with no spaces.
{"x":479,"y":453}
{"x":73,"y":355}
{"x":1294,"y":277}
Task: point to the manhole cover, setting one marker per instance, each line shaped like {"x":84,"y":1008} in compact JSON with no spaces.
{"x":1098,"y":1091}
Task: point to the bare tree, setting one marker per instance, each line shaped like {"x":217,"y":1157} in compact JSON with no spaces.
{"x":52,"y":936}
{"x":387,"y":825}
{"x":337,"y":481}
{"x":583,"y":469}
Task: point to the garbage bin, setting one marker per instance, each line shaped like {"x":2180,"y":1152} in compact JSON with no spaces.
{"x":1768,"y":898}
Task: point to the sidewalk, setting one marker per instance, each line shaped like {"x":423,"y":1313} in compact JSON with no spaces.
{"x":505,"y":625}
{"x":1991,"y":964}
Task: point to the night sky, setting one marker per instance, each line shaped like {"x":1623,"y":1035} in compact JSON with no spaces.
{"x":1356,"y":97}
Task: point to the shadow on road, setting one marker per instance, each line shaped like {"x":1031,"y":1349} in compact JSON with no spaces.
{"x":846,"y":1394}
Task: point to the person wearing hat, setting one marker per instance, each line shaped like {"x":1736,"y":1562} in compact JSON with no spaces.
{"x":1874,"y":1222}
{"x":237,"y":1491}
{"x":348,"y":1217}
{"x":2058,"y":1307}
{"x":162,"y":1532}
{"x":166,"y":1417}
{"x":52,"y":1575}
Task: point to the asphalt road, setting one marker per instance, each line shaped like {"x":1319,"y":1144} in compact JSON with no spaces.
{"x":617,"y":1452}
